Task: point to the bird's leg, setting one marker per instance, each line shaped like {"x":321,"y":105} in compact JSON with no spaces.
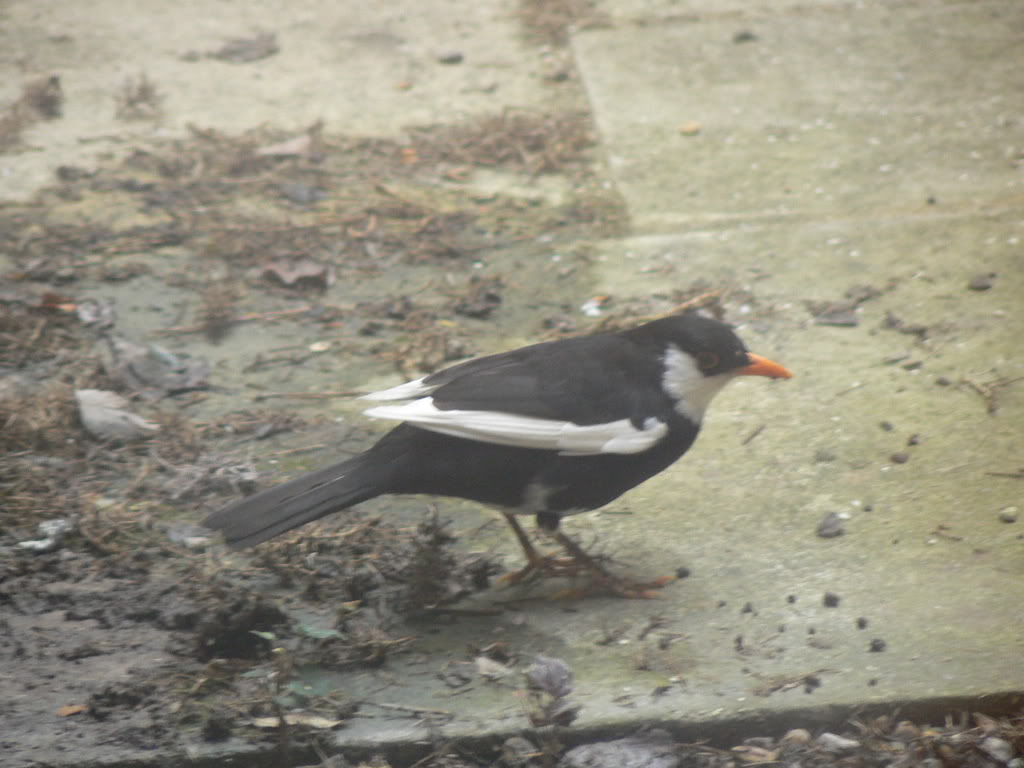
{"x":536,"y":563}
{"x":617,"y":585}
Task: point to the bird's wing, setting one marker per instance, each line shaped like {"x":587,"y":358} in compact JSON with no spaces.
{"x":618,"y":436}
{"x":581,"y":396}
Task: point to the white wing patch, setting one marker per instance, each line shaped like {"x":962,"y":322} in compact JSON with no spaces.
{"x":526,"y":431}
{"x":406,"y":391}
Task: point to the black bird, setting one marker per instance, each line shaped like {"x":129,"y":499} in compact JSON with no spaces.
{"x":550,"y":430}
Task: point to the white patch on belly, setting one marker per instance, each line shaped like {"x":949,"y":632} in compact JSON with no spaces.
{"x":535,"y":499}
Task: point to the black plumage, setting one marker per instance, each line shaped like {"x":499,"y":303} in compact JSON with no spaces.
{"x":549,"y":430}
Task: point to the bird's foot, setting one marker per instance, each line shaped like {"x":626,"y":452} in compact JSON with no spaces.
{"x":542,"y":565}
{"x":602,"y":582}
{"x":605,"y":583}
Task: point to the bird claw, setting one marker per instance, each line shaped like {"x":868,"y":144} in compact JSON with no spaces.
{"x":616,"y":586}
{"x":542,"y":565}
{"x":575,"y":563}
{"x":602,"y":582}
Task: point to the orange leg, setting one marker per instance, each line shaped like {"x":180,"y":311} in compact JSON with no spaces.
{"x":536,"y":563}
{"x":603,"y":580}
{"x":577,"y":560}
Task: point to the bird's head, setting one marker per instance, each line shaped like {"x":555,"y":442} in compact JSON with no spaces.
{"x":700,"y":356}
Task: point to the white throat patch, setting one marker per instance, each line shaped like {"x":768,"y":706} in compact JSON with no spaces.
{"x":691,"y":389}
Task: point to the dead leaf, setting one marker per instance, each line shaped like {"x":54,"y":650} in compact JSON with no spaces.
{"x":56,"y":302}
{"x":70,"y":709}
{"x":300,"y":273}
{"x":986,"y":724}
{"x":297,"y":718}
{"x":155,"y":371}
{"x":491,"y":669}
{"x":243,"y":50}
{"x":104,"y":416}
{"x":756,"y":755}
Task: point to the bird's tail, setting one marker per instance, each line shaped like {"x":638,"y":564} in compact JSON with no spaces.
{"x":276,"y":510}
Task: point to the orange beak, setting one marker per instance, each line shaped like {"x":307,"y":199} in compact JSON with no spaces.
{"x":762,"y":366}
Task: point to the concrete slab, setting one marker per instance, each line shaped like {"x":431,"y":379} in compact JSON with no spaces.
{"x":834,"y":110}
{"x":362,"y":69}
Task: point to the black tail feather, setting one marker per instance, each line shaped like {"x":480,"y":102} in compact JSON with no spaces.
{"x":269,"y":513}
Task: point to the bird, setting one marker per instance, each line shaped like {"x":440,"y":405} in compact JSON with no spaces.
{"x":549,"y":430}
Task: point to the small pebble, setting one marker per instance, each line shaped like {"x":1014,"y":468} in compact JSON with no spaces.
{"x":942,"y":381}
{"x":831,"y":525}
{"x":450,"y":57}
{"x":823,"y":455}
{"x":900,"y":458}
{"x":862,"y":623}
{"x":831,"y":600}
{"x":1008,"y":515}
{"x":886,"y":425}
{"x":914,"y":439}
{"x":690,"y":128}
{"x":877,"y":645}
{"x":982,"y":282}
{"x":682,"y":572}
{"x":790,"y":599}
{"x":744,"y":36}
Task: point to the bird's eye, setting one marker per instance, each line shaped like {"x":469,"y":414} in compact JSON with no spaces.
{"x":707,"y":360}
